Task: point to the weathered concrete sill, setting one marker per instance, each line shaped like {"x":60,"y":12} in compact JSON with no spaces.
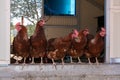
{"x":66,"y":72}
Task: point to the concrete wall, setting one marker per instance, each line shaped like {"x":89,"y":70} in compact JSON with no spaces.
{"x":68,"y":72}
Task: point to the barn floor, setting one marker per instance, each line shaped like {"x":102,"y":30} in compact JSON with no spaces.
{"x":67,"y":72}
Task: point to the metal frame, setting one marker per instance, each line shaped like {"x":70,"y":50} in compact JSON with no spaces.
{"x":107,"y":24}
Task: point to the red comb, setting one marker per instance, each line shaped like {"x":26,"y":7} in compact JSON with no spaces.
{"x":76,"y":32}
{"x":17,"y":26}
{"x":103,"y":29}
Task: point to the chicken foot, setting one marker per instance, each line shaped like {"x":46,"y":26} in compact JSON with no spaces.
{"x":17,"y":58}
{"x":16,"y":62}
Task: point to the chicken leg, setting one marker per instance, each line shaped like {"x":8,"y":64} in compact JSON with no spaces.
{"x":41,"y":60}
{"x":62,"y":59}
{"x":71,"y":61}
{"x":32,"y":61}
{"x":54,"y":64}
{"x":89,"y":61}
{"x":23,"y":63}
{"x":24,"y":60}
{"x":79,"y":61}
{"x":97,"y":62}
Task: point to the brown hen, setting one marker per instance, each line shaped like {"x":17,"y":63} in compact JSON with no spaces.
{"x":21,"y":44}
{"x":78,"y":45}
{"x":38,"y":42}
{"x":95,"y":46}
{"x":57,"y":47}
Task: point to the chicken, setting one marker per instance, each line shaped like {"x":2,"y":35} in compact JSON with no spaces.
{"x":95,"y":45}
{"x":21,"y":44}
{"x":56,"y":55}
{"x":38,"y":42}
{"x":78,"y":45}
{"x":57,"y":47}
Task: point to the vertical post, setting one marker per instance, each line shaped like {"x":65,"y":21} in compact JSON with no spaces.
{"x":78,"y":13}
{"x":42,"y":8}
{"x":4,"y":32}
{"x":22,"y":20}
{"x":107,"y":25}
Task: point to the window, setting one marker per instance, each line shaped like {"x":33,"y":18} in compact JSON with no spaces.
{"x":60,"y":7}
{"x":29,"y":10}
{"x":110,"y":37}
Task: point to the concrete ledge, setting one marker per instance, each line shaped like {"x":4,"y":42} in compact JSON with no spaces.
{"x":66,"y":72}
{"x":115,"y":60}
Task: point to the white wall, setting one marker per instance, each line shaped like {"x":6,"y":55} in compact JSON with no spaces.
{"x":114,"y":21}
{"x":4,"y":31}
